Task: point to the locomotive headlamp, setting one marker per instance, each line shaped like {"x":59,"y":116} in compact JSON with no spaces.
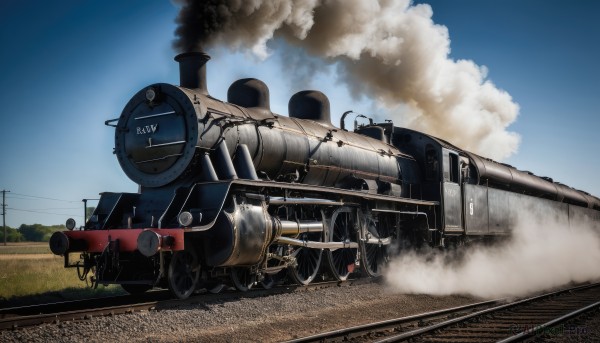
{"x":185,"y":218}
{"x":70,"y":224}
{"x":150,"y":94}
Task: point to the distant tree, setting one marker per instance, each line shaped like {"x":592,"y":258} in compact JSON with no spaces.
{"x":38,"y":232}
{"x":32,"y":233}
{"x":49,"y":230}
{"x":12,"y":235}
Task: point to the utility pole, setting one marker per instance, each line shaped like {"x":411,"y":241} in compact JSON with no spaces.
{"x":4,"y":191}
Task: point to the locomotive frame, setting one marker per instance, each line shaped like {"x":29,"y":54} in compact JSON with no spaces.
{"x":231,"y":192}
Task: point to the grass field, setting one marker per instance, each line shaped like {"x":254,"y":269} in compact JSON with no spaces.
{"x":29,"y":274}
{"x":25,"y":248}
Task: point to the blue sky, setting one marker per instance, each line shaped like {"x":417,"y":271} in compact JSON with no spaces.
{"x":68,"y":68}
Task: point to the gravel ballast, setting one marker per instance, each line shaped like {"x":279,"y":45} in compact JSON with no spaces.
{"x":266,"y":319}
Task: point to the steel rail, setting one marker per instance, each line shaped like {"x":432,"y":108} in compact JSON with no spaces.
{"x":33,"y":320}
{"x":379,"y":326}
{"x":387,"y":323}
{"x":422,"y":331}
{"x":530,"y":332}
{"x":69,"y":305}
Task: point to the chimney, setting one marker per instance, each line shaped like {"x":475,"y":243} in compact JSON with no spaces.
{"x":192,"y":70}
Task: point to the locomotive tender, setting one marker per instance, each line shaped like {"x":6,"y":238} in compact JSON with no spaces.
{"x":232,"y":191}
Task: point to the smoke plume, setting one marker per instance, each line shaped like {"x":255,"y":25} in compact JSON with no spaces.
{"x":387,"y":50}
{"x":541,"y":254}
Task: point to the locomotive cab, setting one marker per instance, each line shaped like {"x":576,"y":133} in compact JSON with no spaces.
{"x":443,"y":169}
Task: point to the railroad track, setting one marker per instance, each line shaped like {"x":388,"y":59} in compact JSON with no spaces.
{"x":33,"y":315}
{"x":491,"y":321}
{"x":82,"y":304}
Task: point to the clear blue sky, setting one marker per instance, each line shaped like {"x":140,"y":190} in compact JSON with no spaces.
{"x":68,"y":67}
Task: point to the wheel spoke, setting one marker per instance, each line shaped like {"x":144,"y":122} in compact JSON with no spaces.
{"x":308,"y":260}
{"x":183,"y":274}
{"x":242,"y":278}
{"x":341,"y":261}
{"x":374,"y":255}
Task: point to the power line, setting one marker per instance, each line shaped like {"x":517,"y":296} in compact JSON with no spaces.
{"x":21,"y":198}
{"x":45,"y":198}
{"x":54,"y":208}
{"x":42,"y":212}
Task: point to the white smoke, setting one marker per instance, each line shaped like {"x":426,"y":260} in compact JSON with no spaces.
{"x":390,"y":51}
{"x":542,"y":254}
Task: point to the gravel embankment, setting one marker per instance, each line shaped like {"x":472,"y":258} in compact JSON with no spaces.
{"x":582,"y":329}
{"x":269,"y":319}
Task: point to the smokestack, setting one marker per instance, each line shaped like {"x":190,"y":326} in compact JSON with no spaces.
{"x":192,"y":70}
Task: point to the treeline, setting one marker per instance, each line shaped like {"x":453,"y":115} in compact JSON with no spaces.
{"x":30,"y":233}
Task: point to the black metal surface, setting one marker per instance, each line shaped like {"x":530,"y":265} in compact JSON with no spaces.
{"x":311,"y":105}
{"x":499,"y":213}
{"x":217,"y":164}
{"x":155,"y":143}
{"x":223,"y":163}
{"x":249,"y":93}
{"x":476,"y":209}
{"x":59,"y":243}
{"x":244,"y":232}
{"x":192,"y":70}
{"x":487,"y":172}
{"x":452,"y":206}
{"x":243,"y":163}
{"x":374,"y":132}
{"x":524,"y":181}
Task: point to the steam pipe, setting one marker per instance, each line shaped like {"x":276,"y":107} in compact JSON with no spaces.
{"x":289,"y":227}
{"x":356,"y":120}
{"x":303,"y":201}
{"x":225,"y":168}
{"x":379,"y":241}
{"x":243,"y":163}
{"x":208,"y":171}
{"x":317,"y":245}
{"x":342,"y":124}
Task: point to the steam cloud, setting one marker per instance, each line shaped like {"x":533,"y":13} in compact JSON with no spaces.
{"x":388,"y":50}
{"x":540,"y":255}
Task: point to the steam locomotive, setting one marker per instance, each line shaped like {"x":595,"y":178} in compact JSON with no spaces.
{"x":232,"y":192}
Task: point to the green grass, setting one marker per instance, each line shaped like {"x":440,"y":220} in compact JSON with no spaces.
{"x":40,"y":277}
{"x":25,"y":248}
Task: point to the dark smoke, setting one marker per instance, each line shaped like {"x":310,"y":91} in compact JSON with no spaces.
{"x":389,"y":51}
{"x":198,"y":21}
